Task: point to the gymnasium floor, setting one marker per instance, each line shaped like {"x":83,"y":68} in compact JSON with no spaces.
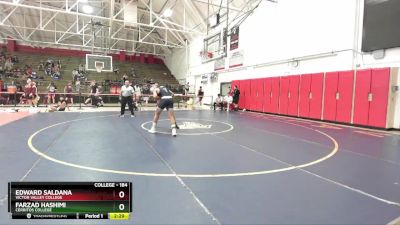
{"x":222,"y":168}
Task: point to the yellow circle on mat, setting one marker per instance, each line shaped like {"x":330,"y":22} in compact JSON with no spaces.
{"x":251,"y":173}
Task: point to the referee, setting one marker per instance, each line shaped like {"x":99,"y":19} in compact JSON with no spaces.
{"x":126,"y":97}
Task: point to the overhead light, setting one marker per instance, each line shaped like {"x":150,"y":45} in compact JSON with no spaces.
{"x":87,"y":9}
{"x":83,"y":0}
{"x":167,"y":13}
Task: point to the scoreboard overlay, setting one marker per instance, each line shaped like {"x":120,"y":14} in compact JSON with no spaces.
{"x":70,"y":200}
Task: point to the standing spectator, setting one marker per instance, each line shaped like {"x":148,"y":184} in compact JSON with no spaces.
{"x":126,"y":97}
{"x":28,"y":95}
{"x":36,"y":97}
{"x":200,"y":95}
{"x":235,"y":100}
{"x":186,"y":91}
{"x":59,"y":63}
{"x":187,"y":86}
{"x":51,"y":96}
{"x":68,"y":93}
{"x":74,"y":75}
{"x":138,"y":94}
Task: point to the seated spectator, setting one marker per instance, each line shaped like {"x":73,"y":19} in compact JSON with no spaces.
{"x":34,"y":75}
{"x":47,"y":71}
{"x":116,"y":70}
{"x":132,"y":72}
{"x":55,"y":69}
{"x":49,"y":63}
{"x":29,"y":71}
{"x":228,"y":101}
{"x":189,"y":103}
{"x":99,"y":99}
{"x":40,"y":66}
{"x":93,"y":94}
{"x":8,"y":65}
{"x":125,"y":77}
{"x":146,"y":89}
{"x":14,"y":59}
{"x":219,"y":101}
{"x":17,"y":73}
{"x":56,"y":75}
{"x":81,"y":68}
{"x":81,"y":76}
{"x":62,"y":104}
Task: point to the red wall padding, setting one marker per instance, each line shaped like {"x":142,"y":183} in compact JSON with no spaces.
{"x":326,"y":96}
{"x":317,"y":85}
{"x":293,"y":108}
{"x":361,"y":103}
{"x":371,"y":98}
{"x":267,"y":107}
{"x":275,"y":87}
{"x":284,"y":95}
{"x":345,"y":101}
{"x":304,"y":98}
{"x":331,"y":87}
{"x":380,"y":84}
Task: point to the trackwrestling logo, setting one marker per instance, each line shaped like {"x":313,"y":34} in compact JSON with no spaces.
{"x":193,"y":125}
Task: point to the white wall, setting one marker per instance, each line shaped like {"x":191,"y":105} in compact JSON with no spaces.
{"x":177,"y":64}
{"x":276,"y":33}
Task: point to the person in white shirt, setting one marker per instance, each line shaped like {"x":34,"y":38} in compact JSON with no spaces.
{"x":127,"y":92}
{"x":138,"y":94}
{"x":219,"y":101}
{"x":228,"y":100}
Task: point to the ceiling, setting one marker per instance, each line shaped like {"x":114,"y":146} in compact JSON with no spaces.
{"x":63,"y":23}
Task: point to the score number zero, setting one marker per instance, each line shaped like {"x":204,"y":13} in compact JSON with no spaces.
{"x":121,"y":206}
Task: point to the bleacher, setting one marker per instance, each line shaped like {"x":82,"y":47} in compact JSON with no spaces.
{"x":157,"y":72}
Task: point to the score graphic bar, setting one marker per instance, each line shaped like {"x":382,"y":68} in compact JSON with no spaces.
{"x":70,"y":200}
